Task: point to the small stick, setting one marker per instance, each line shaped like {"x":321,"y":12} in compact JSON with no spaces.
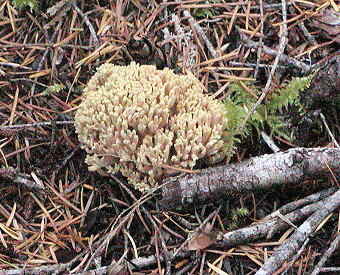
{"x":282,"y":46}
{"x":334,"y":245}
{"x":87,"y":22}
{"x":290,"y":247}
{"x":44,"y":56}
{"x":306,"y":33}
{"x":259,"y":49}
{"x":19,"y":178}
{"x":328,"y":130}
{"x":270,"y":142}
{"x":37,"y":124}
{"x":252,"y":65}
{"x":289,"y":207}
{"x":296,"y":256}
{"x":266,"y":228}
{"x":269,"y":6}
{"x":201,"y":33}
{"x":284,"y":58}
{"x":330,"y":269}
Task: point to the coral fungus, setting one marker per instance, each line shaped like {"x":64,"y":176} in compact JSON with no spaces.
{"x":139,"y":121}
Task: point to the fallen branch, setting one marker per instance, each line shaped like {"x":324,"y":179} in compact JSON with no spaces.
{"x":20,"y":178}
{"x":264,"y":172}
{"x":291,"y":246}
{"x":334,"y":245}
{"x":292,"y":206}
{"x":267,"y":228}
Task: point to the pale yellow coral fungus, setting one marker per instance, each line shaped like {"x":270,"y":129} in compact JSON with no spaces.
{"x":138,"y":120}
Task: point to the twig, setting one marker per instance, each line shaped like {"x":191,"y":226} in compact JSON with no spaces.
{"x":120,"y":221}
{"x":259,"y":49}
{"x":334,"y":245}
{"x":186,"y":268}
{"x":37,"y":124}
{"x":37,"y":45}
{"x":302,"y":26}
{"x":20,"y":178}
{"x":202,"y":263}
{"x":44,"y":56}
{"x":14,"y":65}
{"x":330,"y":269}
{"x":207,"y":42}
{"x":267,"y":228}
{"x":167,"y":36}
{"x":296,"y":256}
{"x":142,"y":262}
{"x":282,"y":46}
{"x":270,"y":142}
{"x":201,"y":33}
{"x":30,"y":80}
{"x":284,"y":58}
{"x":56,"y":268}
{"x":302,"y":202}
{"x":184,"y":40}
{"x":328,"y":130}
{"x":211,"y":216}
{"x":289,"y":248}
{"x":292,"y":166}
{"x":87,"y":22}
{"x":252,"y":65}
{"x":67,"y":158}
{"x":269,"y":6}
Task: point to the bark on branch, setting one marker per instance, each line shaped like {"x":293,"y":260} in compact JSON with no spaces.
{"x":264,"y":172}
{"x":296,"y":240}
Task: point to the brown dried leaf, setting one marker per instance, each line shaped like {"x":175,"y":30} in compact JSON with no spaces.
{"x":57,"y":7}
{"x":203,"y":238}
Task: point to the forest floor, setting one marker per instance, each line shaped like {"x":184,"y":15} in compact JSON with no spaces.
{"x":56,"y":217}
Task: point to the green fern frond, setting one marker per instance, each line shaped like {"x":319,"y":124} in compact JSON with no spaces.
{"x":240,"y":103}
{"x":289,"y":94}
{"x":235,"y":114}
{"x":278,"y":127}
{"x":54,"y":89}
{"x":236,"y":217}
{"x":239,"y":95}
{"x":21,"y":4}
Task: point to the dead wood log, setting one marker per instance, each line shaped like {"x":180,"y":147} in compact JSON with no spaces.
{"x":292,"y":166}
